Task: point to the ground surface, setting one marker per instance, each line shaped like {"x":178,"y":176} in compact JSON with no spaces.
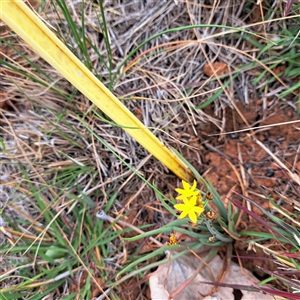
{"x":225,"y":157}
{"x":163,"y":84}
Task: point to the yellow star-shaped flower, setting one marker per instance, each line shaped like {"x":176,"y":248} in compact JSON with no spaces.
{"x":187,"y":191}
{"x":190,"y":208}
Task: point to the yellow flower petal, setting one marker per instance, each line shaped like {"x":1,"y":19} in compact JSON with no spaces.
{"x":193,"y":217}
{"x":187,"y":191}
{"x":190,"y":209}
{"x":181,"y":197}
{"x":198,"y":209}
{"x":194,"y":185}
{"x":193,"y":200}
{"x":186,"y":185}
{"x":183,"y":215}
{"x":180,"y":206}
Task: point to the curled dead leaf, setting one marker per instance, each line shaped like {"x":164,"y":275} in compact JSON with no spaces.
{"x":216,"y":68}
{"x":166,"y":282}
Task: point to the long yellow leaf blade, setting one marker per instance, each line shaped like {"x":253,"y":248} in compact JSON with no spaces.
{"x":30,"y":28}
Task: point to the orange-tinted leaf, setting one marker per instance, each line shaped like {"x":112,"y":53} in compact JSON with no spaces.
{"x":218,"y":68}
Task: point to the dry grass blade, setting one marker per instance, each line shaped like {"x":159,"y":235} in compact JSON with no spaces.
{"x":295,"y":177}
{"x":46,"y":44}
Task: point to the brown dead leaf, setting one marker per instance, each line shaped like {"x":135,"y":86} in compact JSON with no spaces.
{"x":32,"y":3}
{"x":167,"y":281}
{"x":96,"y":291}
{"x":94,"y":288}
{"x":220,"y":68}
{"x":3,"y":102}
{"x":257,"y":10}
{"x":279,"y":69}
